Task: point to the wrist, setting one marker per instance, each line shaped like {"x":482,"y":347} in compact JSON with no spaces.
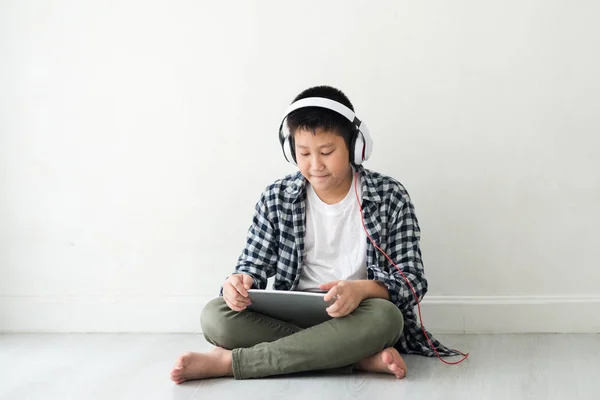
{"x":363,"y":289}
{"x":367,"y":289}
{"x":374,"y":289}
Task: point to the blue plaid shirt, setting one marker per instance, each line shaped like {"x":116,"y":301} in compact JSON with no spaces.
{"x":275,"y":245}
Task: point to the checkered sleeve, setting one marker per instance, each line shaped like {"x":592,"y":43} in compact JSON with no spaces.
{"x":259,"y":258}
{"x":402,"y":247}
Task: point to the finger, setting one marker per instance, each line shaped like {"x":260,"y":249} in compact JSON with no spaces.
{"x":343,"y":309}
{"x":242,"y":302}
{"x":247,"y":281}
{"x":339,"y":313}
{"x":334,"y":311}
{"x":239,"y":301}
{"x":335,"y":314}
{"x":234,"y":307}
{"x":236,"y":299}
{"x":328,"y":285}
{"x":228,"y":302}
{"x":332,"y":293}
{"x":239,"y":287}
{"x":229,"y":289}
{"x":336,"y":305}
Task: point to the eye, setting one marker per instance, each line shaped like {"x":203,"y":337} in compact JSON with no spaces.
{"x":326,"y":154}
{"x":304,"y":154}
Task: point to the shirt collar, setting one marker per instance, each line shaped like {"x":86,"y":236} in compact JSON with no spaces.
{"x":297,"y":189}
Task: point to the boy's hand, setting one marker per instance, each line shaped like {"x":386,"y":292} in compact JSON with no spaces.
{"x":349,"y":295}
{"x":235,"y":291}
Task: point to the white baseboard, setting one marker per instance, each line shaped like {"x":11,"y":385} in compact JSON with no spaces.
{"x":512,"y":314}
{"x":441,"y":314}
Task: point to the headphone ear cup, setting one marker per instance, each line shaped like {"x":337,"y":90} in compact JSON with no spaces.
{"x":358,"y":149}
{"x":351,"y":147}
{"x":288,"y":151}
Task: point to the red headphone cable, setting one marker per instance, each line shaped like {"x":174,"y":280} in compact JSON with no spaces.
{"x":407,"y":281}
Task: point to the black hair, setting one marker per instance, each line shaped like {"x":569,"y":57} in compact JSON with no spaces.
{"x":313,"y":118}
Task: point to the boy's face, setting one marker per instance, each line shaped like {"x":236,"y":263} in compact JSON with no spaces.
{"x":324,"y":160}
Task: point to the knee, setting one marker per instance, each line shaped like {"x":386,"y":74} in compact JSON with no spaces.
{"x":213,"y":320}
{"x":388,"y":318}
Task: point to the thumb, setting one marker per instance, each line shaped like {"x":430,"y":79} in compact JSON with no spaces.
{"x":247,"y":280}
{"x":328,"y":285}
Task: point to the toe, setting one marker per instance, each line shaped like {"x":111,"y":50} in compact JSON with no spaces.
{"x":396,"y":370}
{"x":176,"y":373}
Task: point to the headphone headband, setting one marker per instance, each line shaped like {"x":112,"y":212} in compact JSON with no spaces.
{"x":361,"y":143}
{"x":323,"y":103}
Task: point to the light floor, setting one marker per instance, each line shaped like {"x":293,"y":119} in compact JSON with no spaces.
{"x":137,"y":366}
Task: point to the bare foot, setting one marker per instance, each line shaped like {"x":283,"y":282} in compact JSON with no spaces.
{"x":387,"y":361}
{"x":214,"y":364}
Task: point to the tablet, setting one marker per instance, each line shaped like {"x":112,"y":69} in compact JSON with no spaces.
{"x":303,"y":309}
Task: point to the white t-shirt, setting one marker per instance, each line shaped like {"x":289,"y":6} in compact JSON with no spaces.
{"x":335,"y":244}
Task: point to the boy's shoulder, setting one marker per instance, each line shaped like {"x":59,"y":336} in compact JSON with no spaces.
{"x":385,"y":186}
{"x":287,"y":188}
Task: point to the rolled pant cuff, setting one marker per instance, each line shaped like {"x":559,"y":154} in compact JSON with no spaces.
{"x":236,"y":364}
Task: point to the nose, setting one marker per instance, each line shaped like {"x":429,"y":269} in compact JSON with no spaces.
{"x":316,"y":162}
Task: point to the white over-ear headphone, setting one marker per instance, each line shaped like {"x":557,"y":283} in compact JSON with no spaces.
{"x":361,"y":144}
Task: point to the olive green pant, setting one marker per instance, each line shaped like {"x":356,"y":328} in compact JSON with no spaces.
{"x":263,"y":346}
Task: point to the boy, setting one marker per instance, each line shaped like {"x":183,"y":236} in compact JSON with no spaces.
{"x":308,"y":232}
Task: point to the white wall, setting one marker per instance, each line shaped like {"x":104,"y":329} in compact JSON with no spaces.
{"x":136,"y":136}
